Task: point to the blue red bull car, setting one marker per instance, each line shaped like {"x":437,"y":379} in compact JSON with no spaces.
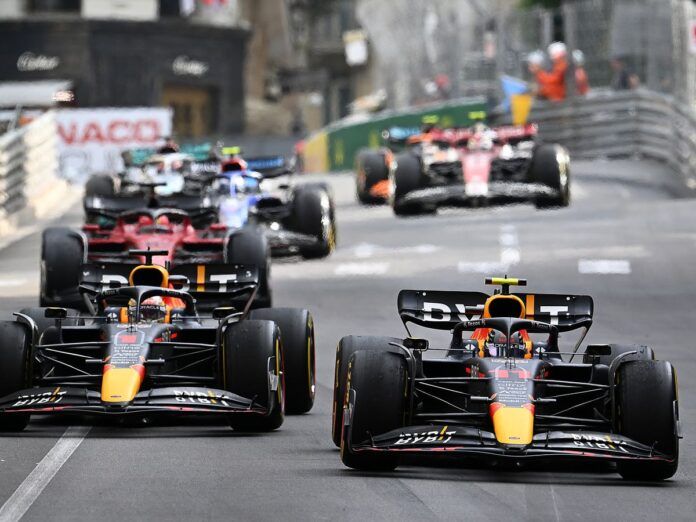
{"x":143,"y":349}
{"x":503,"y":388}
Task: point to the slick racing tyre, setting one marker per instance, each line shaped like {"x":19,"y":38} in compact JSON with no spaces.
{"x":376,"y":382}
{"x":100,"y":185}
{"x":313,"y":215}
{"x":646,"y":410}
{"x":16,"y":363}
{"x":344,"y":351}
{"x":551,"y":167}
{"x":249,"y":246}
{"x":62,"y":253}
{"x":407,"y":177}
{"x":252,"y":367}
{"x":297,"y":341}
{"x":371,"y":168}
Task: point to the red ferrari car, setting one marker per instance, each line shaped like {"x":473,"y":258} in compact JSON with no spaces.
{"x":465,"y":167}
{"x":203,"y":256}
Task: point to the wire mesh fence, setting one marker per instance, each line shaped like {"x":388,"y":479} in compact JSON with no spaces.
{"x":474,"y":42}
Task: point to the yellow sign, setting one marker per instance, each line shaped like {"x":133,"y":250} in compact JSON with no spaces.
{"x":521,"y":105}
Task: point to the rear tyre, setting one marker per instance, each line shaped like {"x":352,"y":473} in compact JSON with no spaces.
{"x":252,"y":361}
{"x":344,"y":351}
{"x":371,"y":168}
{"x":249,"y":246}
{"x":100,"y":185}
{"x":550,"y":166}
{"x":62,"y":253}
{"x":376,"y":381}
{"x":313,"y":215}
{"x":646,"y":396}
{"x":407,"y":177}
{"x":16,"y":363}
{"x":297,"y":341}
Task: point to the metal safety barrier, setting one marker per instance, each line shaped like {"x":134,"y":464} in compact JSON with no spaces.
{"x":30,"y":187}
{"x":611,"y":124}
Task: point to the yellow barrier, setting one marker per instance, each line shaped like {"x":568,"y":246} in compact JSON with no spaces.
{"x":316,"y":153}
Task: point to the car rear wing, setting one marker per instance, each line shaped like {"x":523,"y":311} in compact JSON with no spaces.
{"x":443,"y":310}
{"x":215,"y":283}
{"x":270,"y":166}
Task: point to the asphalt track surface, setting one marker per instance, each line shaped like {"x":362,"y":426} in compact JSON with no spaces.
{"x":625,"y":240}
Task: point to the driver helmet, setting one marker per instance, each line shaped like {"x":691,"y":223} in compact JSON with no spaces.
{"x":152,"y":310}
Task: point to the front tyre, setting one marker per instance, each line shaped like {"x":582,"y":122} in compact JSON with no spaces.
{"x":63,"y":251}
{"x":297,"y":340}
{"x":313,"y":215}
{"x":347,"y":346}
{"x":16,"y":369}
{"x":371,"y":169}
{"x":376,"y":385}
{"x":646,"y":394}
{"x":551,"y":167}
{"x":407,"y":177}
{"x":249,"y":246}
{"x":252,"y":367}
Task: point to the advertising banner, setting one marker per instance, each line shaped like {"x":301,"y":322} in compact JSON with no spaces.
{"x":91,"y":140}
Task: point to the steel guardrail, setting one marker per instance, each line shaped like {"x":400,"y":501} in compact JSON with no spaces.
{"x":615,"y":124}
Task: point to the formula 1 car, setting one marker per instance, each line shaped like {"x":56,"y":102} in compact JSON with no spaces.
{"x":166,"y":170}
{"x":468,"y":167}
{"x":144,"y":351}
{"x":201,"y":254}
{"x":502,"y":393}
{"x":297,"y":218}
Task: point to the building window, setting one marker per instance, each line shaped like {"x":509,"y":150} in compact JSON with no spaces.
{"x":53,"y":6}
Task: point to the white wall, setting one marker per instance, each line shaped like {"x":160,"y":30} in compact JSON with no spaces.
{"x":139,"y":10}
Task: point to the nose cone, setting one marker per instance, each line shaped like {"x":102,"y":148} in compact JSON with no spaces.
{"x":513,"y":425}
{"x":121,"y":384}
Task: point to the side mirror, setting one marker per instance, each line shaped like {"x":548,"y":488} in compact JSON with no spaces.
{"x":594,"y":351}
{"x":223,"y":311}
{"x":55,"y":313}
{"x":415,"y":343}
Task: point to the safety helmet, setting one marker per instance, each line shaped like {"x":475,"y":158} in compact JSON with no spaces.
{"x":557,"y":50}
{"x":152,"y":310}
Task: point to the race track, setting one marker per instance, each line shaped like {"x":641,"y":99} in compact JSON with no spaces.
{"x":626,"y":240}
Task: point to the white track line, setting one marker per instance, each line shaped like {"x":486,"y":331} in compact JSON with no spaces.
{"x":29,"y":490}
{"x":361,"y":269}
{"x":604,"y":266}
{"x":4,"y":283}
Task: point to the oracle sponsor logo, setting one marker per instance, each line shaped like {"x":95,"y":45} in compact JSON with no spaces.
{"x":117,"y":132}
{"x":185,"y":66}
{"x":29,"y":61}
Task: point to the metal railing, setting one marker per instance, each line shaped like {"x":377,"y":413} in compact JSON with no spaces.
{"x":611,"y":124}
{"x":29,"y":182}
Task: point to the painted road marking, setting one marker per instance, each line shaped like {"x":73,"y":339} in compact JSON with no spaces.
{"x":604,"y":266}
{"x":509,"y":255}
{"x":7,"y":283}
{"x":367,"y":250}
{"x":29,"y":490}
{"x":361,"y":269}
